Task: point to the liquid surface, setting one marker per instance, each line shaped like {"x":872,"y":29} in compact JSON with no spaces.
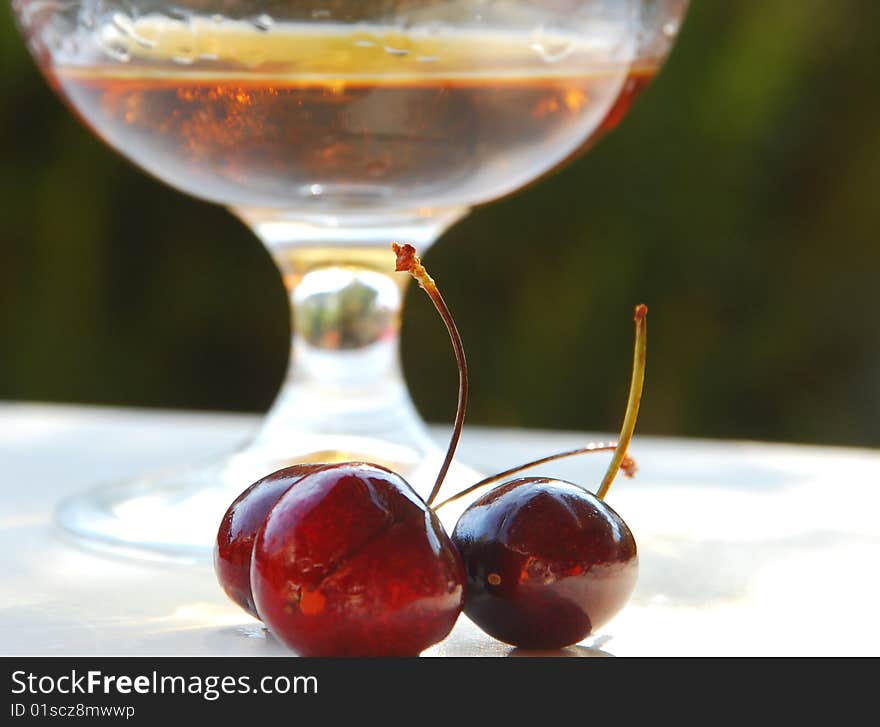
{"x":374,"y":119}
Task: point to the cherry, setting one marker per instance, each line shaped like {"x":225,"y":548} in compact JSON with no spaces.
{"x":546,"y":561}
{"x":346,"y":559}
{"x":351,"y":562}
{"x":238,"y":531}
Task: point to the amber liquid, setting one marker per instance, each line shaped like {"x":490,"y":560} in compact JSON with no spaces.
{"x":373,"y":120}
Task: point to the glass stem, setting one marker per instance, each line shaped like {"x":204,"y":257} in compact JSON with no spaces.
{"x":344,"y":397}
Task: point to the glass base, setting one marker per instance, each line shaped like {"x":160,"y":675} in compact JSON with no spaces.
{"x":174,"y":516}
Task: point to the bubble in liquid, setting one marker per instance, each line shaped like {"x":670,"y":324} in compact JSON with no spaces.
{"x":392,"y":51}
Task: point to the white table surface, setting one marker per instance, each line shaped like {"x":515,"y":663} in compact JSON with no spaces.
{"x":745,"y":548}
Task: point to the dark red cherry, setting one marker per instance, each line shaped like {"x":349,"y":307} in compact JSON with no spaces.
{"x":352,"y":562}
{"x":238,"y":530}
{"x":546,"y":562}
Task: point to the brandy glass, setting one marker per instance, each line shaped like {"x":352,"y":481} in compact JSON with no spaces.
{"x":332,"y":128}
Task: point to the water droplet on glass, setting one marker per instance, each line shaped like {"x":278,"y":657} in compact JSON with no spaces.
{"x":123,"y":23}
{"x":670,"y":29}
{"x":118,"y":52}
{"x":263,"y":22}
{"x":316,"y":190}
{"x":378,"y":167}
{"x":552,"y":48}
{"x":145,"y":43}
{"x":70,"y":46}
{"x":318,"y":14}
{"x":431,"y":29}
{"x":54,"y":41}
{"x":185,"y":56}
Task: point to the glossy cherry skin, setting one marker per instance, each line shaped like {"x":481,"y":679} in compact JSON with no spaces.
{"x":351,"y":562}
{"x":546,"y":562}
{"x":238,"y":531}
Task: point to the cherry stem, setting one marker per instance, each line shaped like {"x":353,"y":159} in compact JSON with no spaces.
{"x":592,"y":447}
{"x":632,"y":405}
{"x":408,"y":261}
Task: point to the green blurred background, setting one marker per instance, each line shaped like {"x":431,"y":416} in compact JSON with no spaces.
{"x":739,"y":200}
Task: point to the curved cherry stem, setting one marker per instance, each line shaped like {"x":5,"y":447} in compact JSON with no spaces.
{"x":632,"y":405}
{"x":592,"y":447}
{"x":408,"y":261}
